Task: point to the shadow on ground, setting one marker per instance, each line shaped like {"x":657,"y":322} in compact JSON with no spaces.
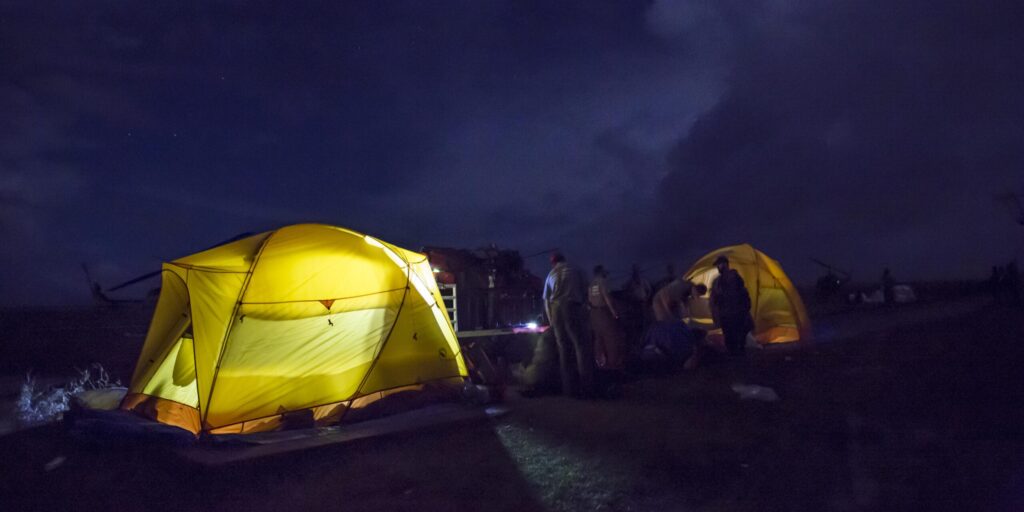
{"x":436,"y":469}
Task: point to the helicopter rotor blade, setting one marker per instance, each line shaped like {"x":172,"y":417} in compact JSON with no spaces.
{"x":133,"y":281}
{"x":830,"y":267}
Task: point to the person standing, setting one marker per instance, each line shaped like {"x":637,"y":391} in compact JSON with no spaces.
{"x":637,"y":288}
{"x":1012,"y":277}
{"x":887,"y":287}
{"x":730,"y":307}
{"x":563,"y":295}
{"x":995,"y":283}
{"x":670,"y":275}
{"x":637,"y":315}
{"x":604,"y":323}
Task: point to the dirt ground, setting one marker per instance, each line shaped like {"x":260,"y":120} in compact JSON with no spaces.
{"x":910,"y":408}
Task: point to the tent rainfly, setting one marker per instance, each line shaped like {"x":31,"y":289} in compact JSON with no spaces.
{"x":308,"y":319}
{"x":779,"y":314}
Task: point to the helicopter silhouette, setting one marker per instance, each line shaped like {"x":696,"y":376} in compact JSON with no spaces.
{"x":828,"y":285}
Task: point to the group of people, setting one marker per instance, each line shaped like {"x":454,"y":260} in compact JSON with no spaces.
{"x":599,"y":332}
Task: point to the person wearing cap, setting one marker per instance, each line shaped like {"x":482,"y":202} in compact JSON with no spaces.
{"x":564,"y":296}
{"x":730,"y":307}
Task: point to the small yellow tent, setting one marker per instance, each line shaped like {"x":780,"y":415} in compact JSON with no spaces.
{"x":779,"y":314}
{"x":310,"y":318}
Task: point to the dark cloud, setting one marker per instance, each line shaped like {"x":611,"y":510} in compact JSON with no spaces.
{"x":867,"y":132}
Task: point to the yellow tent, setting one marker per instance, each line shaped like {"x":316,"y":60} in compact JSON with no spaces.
{"x":779,"y":314}
{"x":310,"y":318}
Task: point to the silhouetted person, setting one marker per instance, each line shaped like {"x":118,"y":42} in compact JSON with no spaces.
{"x":564,"y":293}
{"x":638,"y":289}
{"x":887,"y":287}
{"x":995,"y":284}
{"x":604,"y":323}
{"x":637,"y":317}
{"x":670,"y":276}
{"x":730,"y":307}
{"x":1012,"y":279}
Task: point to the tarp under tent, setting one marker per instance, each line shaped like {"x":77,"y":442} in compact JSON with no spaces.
{"x":778,"y":312}
{"x":308,"y":321}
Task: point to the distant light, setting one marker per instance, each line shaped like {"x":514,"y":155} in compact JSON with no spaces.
{"x":436,"y":270}
{"x":531,"y":325}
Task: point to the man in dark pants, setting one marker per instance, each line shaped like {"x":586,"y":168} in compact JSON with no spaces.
{"x":564,"y":293}
{"x":730,"y":307}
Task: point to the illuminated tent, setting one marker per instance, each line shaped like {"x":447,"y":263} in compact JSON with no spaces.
{"x":779,"y":314}
{"x":307,"y":320}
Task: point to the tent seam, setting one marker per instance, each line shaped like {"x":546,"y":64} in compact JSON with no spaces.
{"x":296,"y":301}
{"x":195,"y":363}
{"x":211,"y":270}
{"x":757,"y":303}
{"x":164,"y":399}
{"x":227,"y":333}
{"x":384,"y":344}
{"x":353,"y":398}
{"x":138,"y":362}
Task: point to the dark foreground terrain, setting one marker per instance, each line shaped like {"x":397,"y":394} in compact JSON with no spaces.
{"x":919,"y":414}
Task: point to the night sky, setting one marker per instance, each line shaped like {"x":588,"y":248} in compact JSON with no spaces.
{"x":867,"y":133}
